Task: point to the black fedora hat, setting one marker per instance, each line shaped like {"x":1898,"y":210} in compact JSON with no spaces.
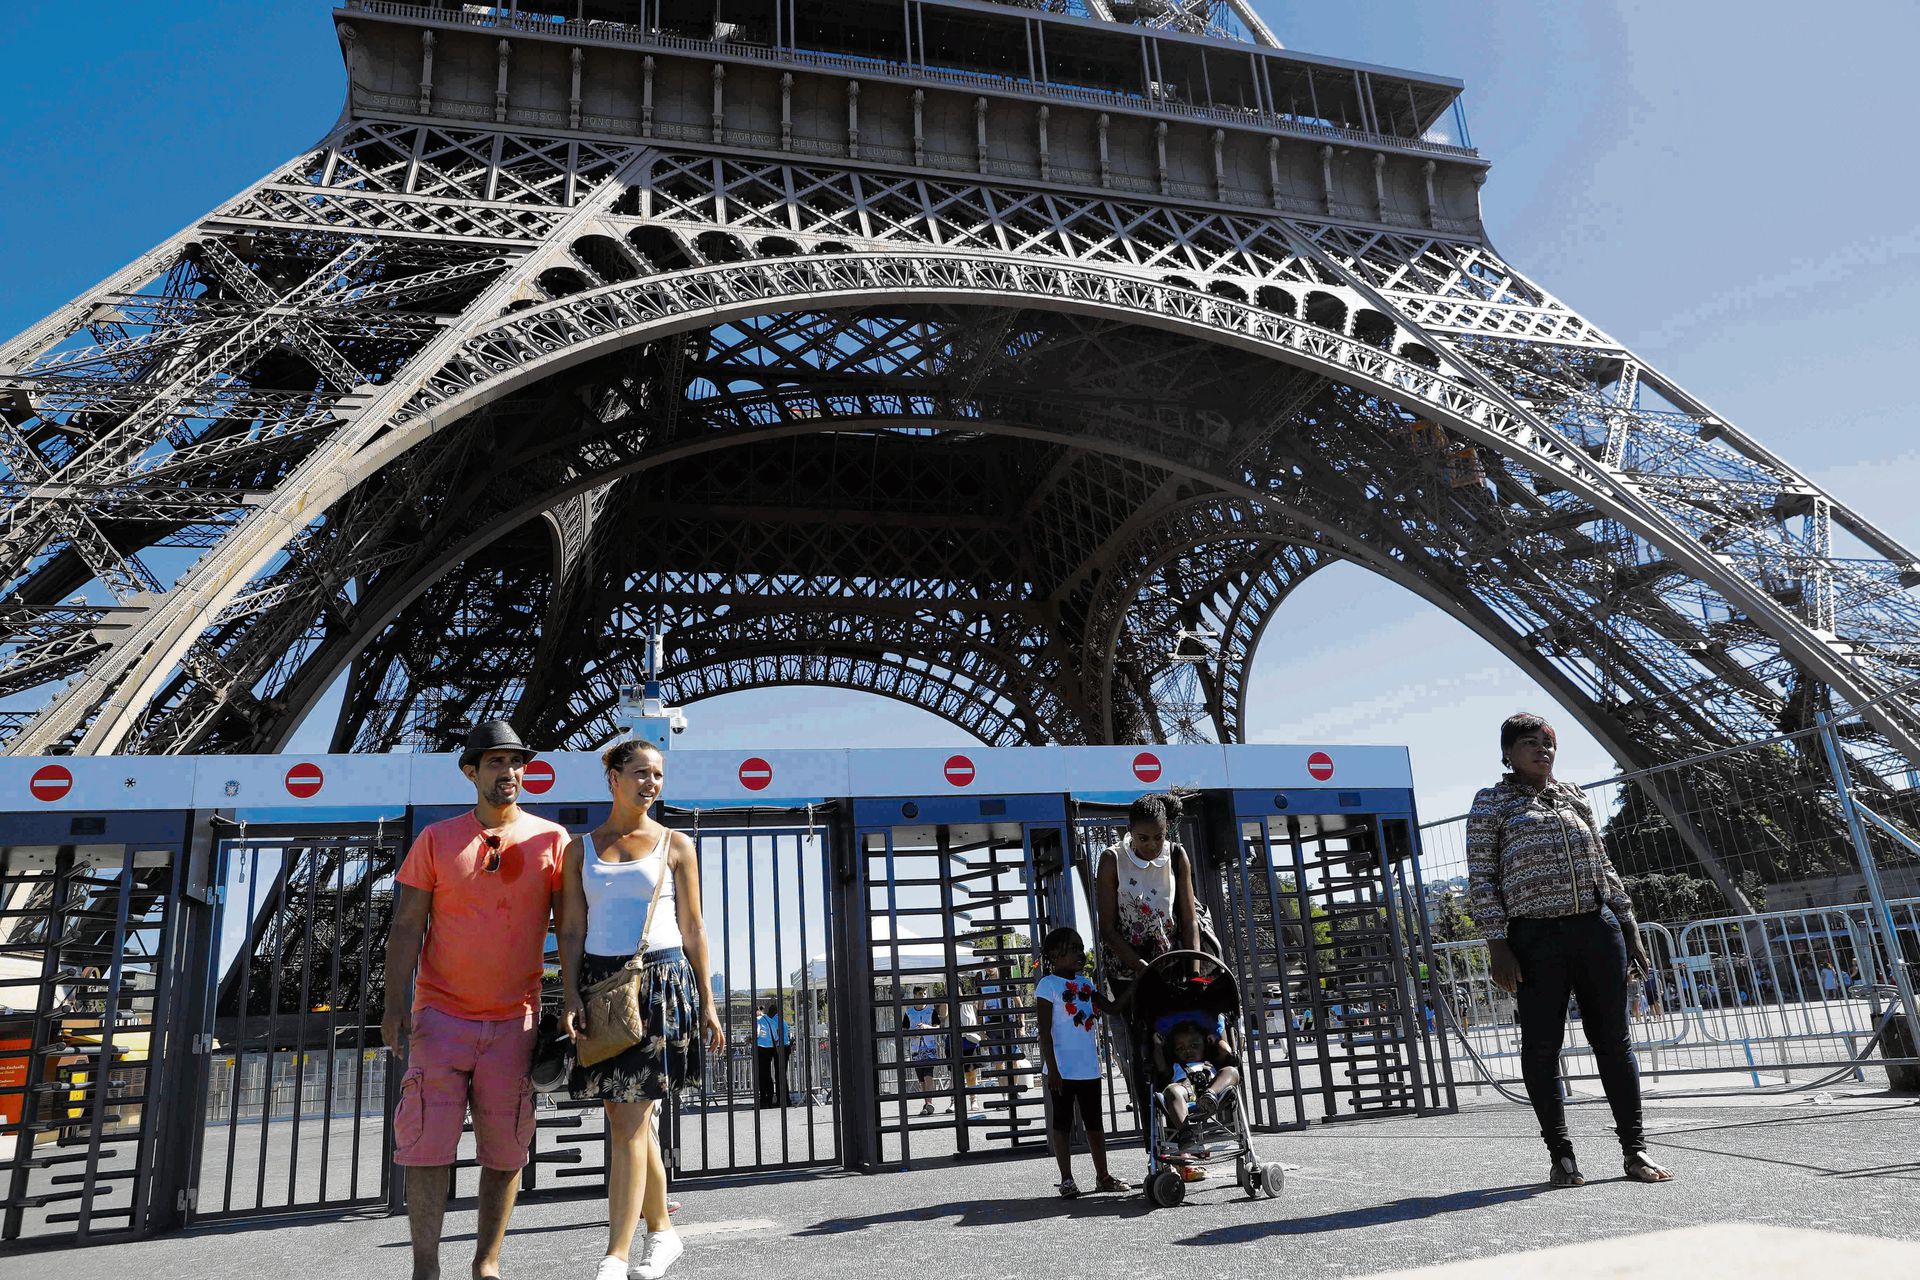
{"x":492,"y":735}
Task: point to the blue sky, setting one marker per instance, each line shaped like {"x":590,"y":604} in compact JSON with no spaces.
{"x":1728,"y":188}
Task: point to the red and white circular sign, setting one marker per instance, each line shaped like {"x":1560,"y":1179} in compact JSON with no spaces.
{"x":1146,"y":767}
{"x":755,"y":774}
{"x":1320,"y":766}
{"x":538,"y":778}
{"x":304,"y":781}
{"x":959,"y":771}
{"x":50,"y":782}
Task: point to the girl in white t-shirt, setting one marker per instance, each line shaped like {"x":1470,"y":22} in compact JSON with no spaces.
{"x":1066,"y":1006}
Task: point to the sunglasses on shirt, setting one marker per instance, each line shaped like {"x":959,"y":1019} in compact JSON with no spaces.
{"x":492,"y":841}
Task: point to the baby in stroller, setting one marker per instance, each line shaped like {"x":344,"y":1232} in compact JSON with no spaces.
{"x":1183,"y":1021}
{"x":1200,"y":1072}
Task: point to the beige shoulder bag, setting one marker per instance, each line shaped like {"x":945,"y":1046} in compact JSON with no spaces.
{"x":616,"y":1014}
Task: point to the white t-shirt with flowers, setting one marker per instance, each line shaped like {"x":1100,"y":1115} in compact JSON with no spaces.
{"x":1076,"y":1045}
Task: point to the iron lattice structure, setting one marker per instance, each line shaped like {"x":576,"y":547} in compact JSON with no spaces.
{"x":1022,"y":387}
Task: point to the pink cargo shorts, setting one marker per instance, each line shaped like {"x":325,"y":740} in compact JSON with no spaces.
{"x":452,"y":1062}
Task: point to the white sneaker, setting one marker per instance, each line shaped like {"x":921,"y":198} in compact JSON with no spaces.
{"x":663,"y":1250}
{"x":611,"y":1268}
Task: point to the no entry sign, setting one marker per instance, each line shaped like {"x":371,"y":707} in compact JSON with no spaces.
{"x":538,"y":778}
{"x":959,"y":771}
{"x":755,"y":774}
{"x":304,"y":781}
{"x":1320,"y":766}
{"x":51,"y":782}
{"x":1146,"y":767}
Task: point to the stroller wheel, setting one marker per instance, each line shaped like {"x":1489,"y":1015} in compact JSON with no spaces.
{"x":1272,"y":1179}
{"x":1246,"y":1173}
{"x":1166,"y":1189}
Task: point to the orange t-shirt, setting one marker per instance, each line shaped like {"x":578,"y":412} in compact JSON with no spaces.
{"x":486,"y":930}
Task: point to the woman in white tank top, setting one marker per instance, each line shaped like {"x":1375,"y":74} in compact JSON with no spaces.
{"x":608,"y":883}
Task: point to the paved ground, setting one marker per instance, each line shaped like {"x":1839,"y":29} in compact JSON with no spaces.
{"x":1366,"y":1197}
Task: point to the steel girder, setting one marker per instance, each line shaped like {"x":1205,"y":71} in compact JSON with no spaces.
{"x":339,"y":342}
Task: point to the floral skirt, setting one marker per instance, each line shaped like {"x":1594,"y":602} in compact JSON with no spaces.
{"x":672,"y":1051}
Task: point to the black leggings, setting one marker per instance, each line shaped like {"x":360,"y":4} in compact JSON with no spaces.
{"x":1584,"y":956}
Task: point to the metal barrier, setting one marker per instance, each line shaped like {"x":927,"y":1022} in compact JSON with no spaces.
{"x":203,"y":991}
{"x":1733,"y":1002}
{"x":1779,"y":948}
{"x":294,"y":1089}
{"x":766,"y":895}
{"x":90,"y":930}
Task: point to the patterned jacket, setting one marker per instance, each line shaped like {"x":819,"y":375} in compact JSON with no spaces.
{"x":1537,"y":853}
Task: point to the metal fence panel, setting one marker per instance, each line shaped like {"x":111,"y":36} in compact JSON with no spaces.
{"x":82,"y":1078}
{"x":297,"y":1089}
{"x":1776,"y":884}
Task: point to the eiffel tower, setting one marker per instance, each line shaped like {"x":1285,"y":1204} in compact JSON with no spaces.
{"x":1015,"y":361}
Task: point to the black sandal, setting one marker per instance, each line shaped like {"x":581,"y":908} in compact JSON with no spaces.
{"x":1640,"y":1167}
{"x":1566,"y":1172}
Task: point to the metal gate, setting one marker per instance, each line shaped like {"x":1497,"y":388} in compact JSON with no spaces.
{"x":765,"y":902}
{"x":88,"y":937}
{"x":295,"y":1086}
{"x":1326,"y":932}
{"x":296,"y":1089}
{"x":953,"y":896}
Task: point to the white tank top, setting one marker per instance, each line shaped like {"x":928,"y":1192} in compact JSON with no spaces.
{"x":617,"y":898}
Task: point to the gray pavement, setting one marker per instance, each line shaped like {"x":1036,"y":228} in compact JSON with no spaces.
{"x":1366,"y":1197}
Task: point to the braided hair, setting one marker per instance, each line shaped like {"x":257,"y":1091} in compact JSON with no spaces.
{"x":1159,"y":808}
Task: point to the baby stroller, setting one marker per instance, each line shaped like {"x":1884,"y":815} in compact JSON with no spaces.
{"x":1191,"y":986}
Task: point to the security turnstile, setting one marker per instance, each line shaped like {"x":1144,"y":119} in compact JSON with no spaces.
{"x":159,"y":1065}
{"x":954,"y":897}
{"x":1325,"y":926}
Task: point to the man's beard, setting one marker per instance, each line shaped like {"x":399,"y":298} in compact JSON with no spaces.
{"x":502,"y":794}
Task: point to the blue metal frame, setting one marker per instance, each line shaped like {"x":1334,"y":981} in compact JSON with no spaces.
{"x":1381,"y":802}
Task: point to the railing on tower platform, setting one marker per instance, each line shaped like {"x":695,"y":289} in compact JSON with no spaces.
{"x":595,"y":31}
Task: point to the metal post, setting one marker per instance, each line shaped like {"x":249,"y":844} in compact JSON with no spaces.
{"x":1870,"y":871}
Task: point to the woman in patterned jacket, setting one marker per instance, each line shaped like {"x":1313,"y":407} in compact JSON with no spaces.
{"x":1558,"y":922}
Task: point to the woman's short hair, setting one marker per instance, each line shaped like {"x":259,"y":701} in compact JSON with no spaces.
{"x":1516,"y":727}
{"x":1157,"y":809}
{"x":618,"y":756}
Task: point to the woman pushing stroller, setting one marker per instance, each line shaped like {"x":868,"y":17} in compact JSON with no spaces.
{"x":1143,"y":889}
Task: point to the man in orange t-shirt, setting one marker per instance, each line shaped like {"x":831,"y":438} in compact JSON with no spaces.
{"x":472,"y":909}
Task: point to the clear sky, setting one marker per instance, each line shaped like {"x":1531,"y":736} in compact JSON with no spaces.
{"x":1728,"y":187}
